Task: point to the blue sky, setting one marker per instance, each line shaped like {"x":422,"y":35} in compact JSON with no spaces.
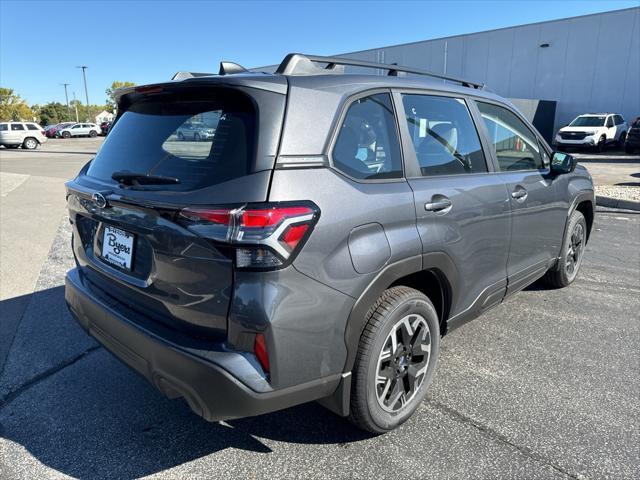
{"x":148,"y":41}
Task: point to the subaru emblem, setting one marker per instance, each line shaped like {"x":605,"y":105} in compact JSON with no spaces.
{"x":99,"y":200}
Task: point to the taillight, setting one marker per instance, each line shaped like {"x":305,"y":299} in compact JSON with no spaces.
{"x":265,"y":236}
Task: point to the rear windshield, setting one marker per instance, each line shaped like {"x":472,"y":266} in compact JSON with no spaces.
{"x":588,"y":122}
{"x":199,"y":139}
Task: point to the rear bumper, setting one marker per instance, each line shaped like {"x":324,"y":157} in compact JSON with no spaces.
{"x":209,"y":380}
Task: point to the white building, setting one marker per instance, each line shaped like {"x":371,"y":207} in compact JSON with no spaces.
{"x":104,"y":116}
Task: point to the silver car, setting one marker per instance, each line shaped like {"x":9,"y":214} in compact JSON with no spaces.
{"x":80,"y":130}
{"x":21,"y":134}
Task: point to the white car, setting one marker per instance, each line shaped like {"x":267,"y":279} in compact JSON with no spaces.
{"x":593,"y":130}
{"x":80,"y":130}
{"x":26,"y":134}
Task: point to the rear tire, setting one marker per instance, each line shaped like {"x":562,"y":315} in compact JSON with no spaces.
{"x":30,"y":143}
{"x":93,"y":134}
{"x":396,"y":359}
{"x":568,"y":266}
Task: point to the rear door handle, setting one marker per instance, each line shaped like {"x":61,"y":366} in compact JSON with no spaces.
{"x":519,"y":193}
{"x":438,"y":205}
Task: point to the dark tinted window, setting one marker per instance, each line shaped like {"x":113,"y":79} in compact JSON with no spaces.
{"x":367,"y":146}
{"x":515,"y":144}
{"x":619,"y":120}
{"x":444,"y":136}
{"x":610,"y":122}
{"x":31,"y":126}
{"x":636,"y":123}
{"x":4,"y":127}
{"x":200,"y":141}
{"x":17,"y":126}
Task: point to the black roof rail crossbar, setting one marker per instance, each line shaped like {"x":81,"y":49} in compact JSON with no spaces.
{"x":295,"y":63}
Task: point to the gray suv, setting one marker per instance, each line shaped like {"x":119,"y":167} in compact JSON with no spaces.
{"x":322,"y":242}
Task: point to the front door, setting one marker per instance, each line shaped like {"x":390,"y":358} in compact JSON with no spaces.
{"x":462,"y":208}
{"x":536,"y":210}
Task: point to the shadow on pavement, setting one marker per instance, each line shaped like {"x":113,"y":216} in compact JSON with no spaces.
{"x":92,"y":417}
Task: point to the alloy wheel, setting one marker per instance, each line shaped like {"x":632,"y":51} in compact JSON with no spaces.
{"x":574,"y":252}
{"x":403,"y":362}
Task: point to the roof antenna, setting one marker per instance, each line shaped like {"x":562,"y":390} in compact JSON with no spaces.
{"x":229,"y":68}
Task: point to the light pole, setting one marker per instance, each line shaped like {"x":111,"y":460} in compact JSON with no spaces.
{"x":66,"y":95}
{"x":86,"y":92}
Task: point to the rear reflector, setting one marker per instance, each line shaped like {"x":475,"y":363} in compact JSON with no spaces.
{"x":260,"y":349}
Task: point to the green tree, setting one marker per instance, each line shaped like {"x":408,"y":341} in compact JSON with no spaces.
{"x":54,"y":112}
{"x":111,"y":102}
{"x":12,"y":107}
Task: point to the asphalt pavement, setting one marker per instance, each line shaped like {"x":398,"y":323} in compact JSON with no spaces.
{"x":545,"y":385}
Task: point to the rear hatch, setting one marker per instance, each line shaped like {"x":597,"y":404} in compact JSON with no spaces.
{"x":130,"y":239}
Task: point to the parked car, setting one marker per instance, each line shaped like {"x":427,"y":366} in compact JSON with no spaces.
{"x":593,"y":130}
{"x":53,"y":131}
{"x":27,"y":135}
{"x":80,"y":130}
{"x":337,"y":226}
{"x":104,"y":128}
{"x":632,"y":141}
{"x":195,"y":131}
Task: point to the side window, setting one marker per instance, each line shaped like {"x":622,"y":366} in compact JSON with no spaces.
{"x":17,"y":126}
{"x":444,"y":137}
{"x":31,"y":126}
{"x":4,"y":127}
{"x":367,"y":146}
{"x":515,"y":145}
{"x":609,"y":121}
{"x":76,"y":126}
{"x":619,"y":120}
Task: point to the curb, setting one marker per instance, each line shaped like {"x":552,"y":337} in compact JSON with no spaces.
{"x":617,"y":203}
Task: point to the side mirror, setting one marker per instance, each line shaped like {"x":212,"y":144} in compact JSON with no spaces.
{"x":562,"y":163}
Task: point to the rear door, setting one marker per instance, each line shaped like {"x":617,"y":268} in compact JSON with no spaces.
{"x":538,"y":216}
{"x":132,"y":238}
{"x":462,"y":207}
{"x":17,"y":132}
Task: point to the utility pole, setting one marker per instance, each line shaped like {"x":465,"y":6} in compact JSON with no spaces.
{"x":75,"y":105}
{"x":86,"y":92}
{"x":66,"y":95}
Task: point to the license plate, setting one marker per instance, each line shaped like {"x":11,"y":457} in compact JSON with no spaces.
{"x":117,"y":247}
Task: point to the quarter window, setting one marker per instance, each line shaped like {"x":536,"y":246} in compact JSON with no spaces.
{"x":444,"y":137}
{"x":367,"y":147}
{"x":515,"y":145}
{"x":31,"y":126}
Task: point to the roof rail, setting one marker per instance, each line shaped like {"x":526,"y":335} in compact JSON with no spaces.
{"x":300,"y":64}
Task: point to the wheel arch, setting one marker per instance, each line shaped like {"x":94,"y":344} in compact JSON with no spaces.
{"x":433,"y":274}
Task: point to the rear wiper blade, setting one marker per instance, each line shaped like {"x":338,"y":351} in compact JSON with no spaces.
{"x":133,"y":178}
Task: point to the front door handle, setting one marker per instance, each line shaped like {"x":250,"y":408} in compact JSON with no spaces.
{"x":519,"y":193}
{"x":438,"y":205}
